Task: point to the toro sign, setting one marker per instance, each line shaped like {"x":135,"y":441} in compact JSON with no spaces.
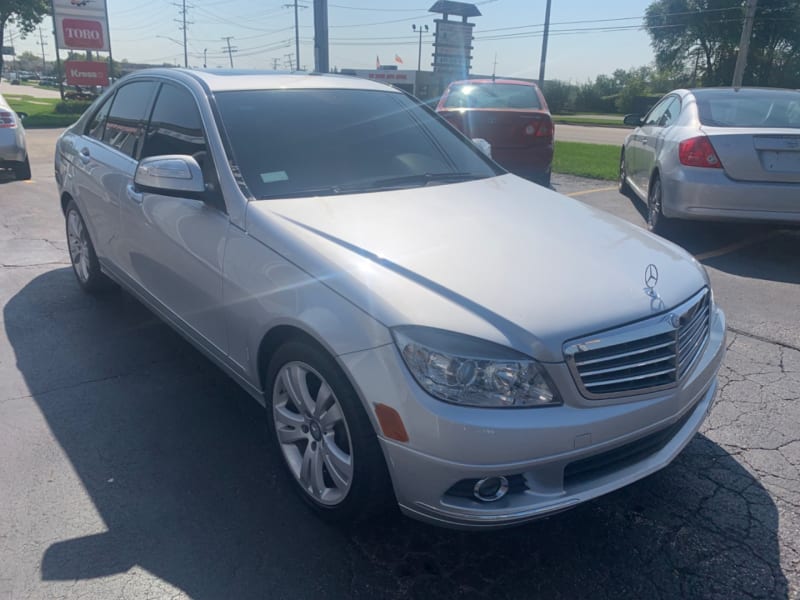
{"x":83,"y":34}
{"x":81,"y":72}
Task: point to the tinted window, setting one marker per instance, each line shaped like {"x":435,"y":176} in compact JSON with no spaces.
{"x":749,"y":108}
{"x":292,"y":142}
{"x":125,"y":124}
{"x":492,"y":95}
{"x":175,"y":126}
{"x":664,"y":113}
{"x":95,"y":127}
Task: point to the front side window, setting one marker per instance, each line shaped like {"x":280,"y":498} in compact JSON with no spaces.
{"x":329,"y":141}
{"x":663,"y":113}
{"x":175,"y":126}
{"x":492,"y":95}
{"x":125,"y":124}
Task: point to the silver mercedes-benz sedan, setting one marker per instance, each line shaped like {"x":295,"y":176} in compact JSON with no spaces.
{"x":13,"y":150}
{"x":422,"y":327}
{"x":716,"y":154}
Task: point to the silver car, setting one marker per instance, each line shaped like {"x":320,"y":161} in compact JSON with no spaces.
{"x":716,"y":154}
{"x":422,"y":327}
{"x":13,"y":151}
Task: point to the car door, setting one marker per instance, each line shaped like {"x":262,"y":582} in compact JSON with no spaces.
{"x":173,"y":246}
{"x":104,"y":162}
{"x":90,"y":161}
{"x":651,"y":138}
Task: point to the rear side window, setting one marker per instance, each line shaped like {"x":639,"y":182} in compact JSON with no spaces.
{"x":125,"y":124}
{"x":492,"y":95}
{"x":749,"y":108}
{"x":664,"y":113}
{"x":98,"y":122}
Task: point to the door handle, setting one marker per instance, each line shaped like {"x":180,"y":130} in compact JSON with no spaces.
{"x":133,"y":194}
{"x":85,"y":155}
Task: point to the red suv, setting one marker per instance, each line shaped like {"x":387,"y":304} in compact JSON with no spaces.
{"x":511,"y":115}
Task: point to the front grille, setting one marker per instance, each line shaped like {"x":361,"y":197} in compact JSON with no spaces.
{"x":646,"y":356}
{"x":599,"y":465}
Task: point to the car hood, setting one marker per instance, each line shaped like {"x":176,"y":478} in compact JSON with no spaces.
{"x":498,"y":258}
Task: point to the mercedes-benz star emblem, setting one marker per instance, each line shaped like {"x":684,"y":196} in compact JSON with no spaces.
{"x":651,"y":276}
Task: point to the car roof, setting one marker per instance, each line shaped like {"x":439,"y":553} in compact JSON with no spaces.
{"x":496,"y":80}
{"x":218,"y":80}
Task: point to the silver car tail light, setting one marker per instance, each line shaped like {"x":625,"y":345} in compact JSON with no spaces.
{"x":7,"y":120}
{"x":646,"y":356}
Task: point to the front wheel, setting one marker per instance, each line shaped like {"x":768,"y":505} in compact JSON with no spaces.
{"x":326,"y":439}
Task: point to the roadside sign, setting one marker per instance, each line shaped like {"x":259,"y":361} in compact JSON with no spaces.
{"x":82,"y":72}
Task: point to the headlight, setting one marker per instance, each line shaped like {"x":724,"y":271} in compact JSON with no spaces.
{"x":469,"y":371}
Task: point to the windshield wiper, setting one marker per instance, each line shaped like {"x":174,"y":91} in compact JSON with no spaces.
{"x":417,"y":179}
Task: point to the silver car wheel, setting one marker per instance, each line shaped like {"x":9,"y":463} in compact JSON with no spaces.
{"x":78,"y":242}
{"x":654,"y":205}
{"x":313,"y":433}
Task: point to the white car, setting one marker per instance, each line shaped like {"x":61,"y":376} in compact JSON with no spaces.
{"x":13,"y":151}
{"x":422,"y":327}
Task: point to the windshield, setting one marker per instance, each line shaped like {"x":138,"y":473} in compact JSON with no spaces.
{"x":492,"y":95}
{"x":749,"y":108}
{"x":327,"y":141}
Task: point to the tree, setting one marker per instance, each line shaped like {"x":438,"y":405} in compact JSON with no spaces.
{"x":25,"y":14}
{"x":700,"y":39}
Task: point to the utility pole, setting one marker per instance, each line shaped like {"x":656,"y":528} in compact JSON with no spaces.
{"x":42,"y":43}
{"x":205,"y":54}
{"x":544,"y":45}
{"x":321,"y":54}
{"x":182,"y":8}
{"x":289,"y":58}
{"x":275,"y":62}
{"x":744,"y":44}
{"x":419,"y":54}
{"x":13,"y":53}
{"x":296,"y":6}
{"x":230,"y":50}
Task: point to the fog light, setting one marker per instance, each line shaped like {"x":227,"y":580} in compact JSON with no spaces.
{"x":490,"y":489}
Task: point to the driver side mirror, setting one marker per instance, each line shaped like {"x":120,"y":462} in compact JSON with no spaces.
{"x":483,"y":146}
{"x":634,"y":119}
{"x":22,"y":116}
{"x":173,"y":174}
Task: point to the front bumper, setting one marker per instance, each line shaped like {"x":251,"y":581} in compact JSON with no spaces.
{"x":709,"y":194}
{"x":564,"y":455}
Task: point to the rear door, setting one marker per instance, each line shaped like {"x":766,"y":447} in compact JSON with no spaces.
{"x":650,"y":139}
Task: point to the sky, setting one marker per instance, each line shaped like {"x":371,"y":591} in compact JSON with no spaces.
{"x":587,"y":37}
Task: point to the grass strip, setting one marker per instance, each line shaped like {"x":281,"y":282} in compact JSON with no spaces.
{"x":598,"y":161}
{"x":41,"y":111}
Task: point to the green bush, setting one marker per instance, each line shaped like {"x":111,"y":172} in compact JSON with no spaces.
{"x":71,"y":107}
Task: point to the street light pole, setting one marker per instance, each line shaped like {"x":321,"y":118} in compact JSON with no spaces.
{"x":419,"y":54}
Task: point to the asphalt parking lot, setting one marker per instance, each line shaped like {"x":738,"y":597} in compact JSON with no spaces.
{"x":130,"y":467}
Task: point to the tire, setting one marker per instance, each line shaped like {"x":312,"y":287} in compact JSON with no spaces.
{"x":22,"y":171}
{"x":545,"y":179}
{"x":81,"y":253}
{"x":327,"y":443}
{"x":624,"y":188}
{"x":656,"y":221}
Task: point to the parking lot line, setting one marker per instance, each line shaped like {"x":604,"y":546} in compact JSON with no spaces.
{"x":585,"y":192}
{"x":735,"y":246}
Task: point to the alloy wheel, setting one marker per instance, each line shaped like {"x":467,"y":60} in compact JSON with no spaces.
{"x":78,"y":242}
{"x":654,"y":205}
{"x":313,"y":433}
